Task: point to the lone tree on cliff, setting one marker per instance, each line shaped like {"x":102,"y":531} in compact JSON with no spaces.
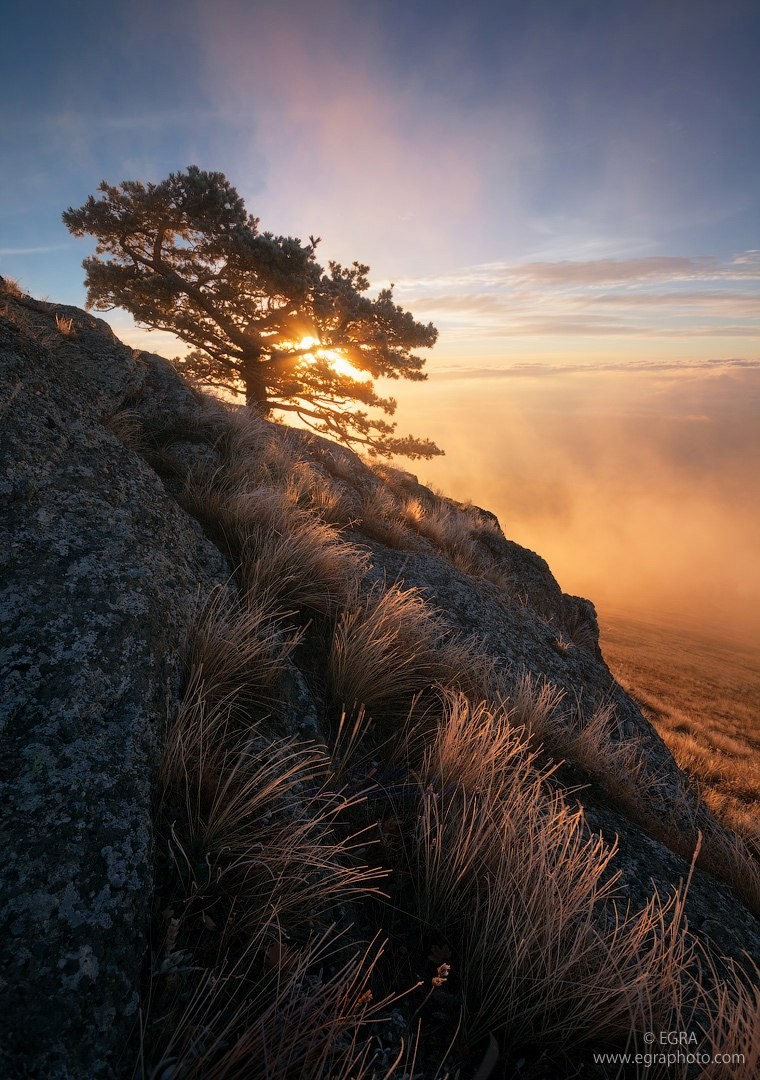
{"x":262,"y":316}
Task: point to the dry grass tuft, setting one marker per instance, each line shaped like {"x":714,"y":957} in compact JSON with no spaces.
{"x":258,"y":454}
{"x":396,"y":480}
{"x":11,"y":287}
{"x":620,"y":769}
{"x":258,"y":825}
{"x":476,"y":747}
{"x":389,"y":646}
{"x":379,"y":519}
{"x":732,"y":1005}
{"x":328,"y":501}
{"x":206,"y":499}
{"x":455,"y":533}
{"x":272,"y":511}
{"x":508,"y":872}
{"x":484,"y":524}
{"x":730,"y":857}
{"x":534,"y":706}
{"x":384,"y":650}
{"x":618,"y":765}
{"x":424,"y":519}
{"x":64,"y":324}
{"x":278,"y":1011}
{"x":249,"y":449}
{"x":127,"y":426}
{"x":307,"y":563}
{"x":593,"y":742}
{"x":281,"y":550}
{"x":237,"y":655}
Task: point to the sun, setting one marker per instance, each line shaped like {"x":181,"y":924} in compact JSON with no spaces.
{"x":336,"y":361}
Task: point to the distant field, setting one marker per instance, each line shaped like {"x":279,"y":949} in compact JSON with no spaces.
{"x":703,"y":696}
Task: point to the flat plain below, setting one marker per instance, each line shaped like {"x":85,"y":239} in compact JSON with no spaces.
{"x":702,"y":693}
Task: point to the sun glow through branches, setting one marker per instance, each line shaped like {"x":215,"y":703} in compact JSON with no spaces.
{"x":336,"y":361}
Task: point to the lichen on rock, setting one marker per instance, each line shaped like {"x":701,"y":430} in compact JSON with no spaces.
{"x":99,"y":571}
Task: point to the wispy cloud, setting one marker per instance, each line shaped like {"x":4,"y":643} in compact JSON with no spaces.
{"x":740,"y":303}
{"x":499,"y":304}
{"x":44,"y":249}
{"x":657,"y":296}
{"x":660,"y":269}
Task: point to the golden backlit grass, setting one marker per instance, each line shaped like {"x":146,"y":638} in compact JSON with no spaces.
{"x":619,"y":766}
{"x":504,"y":868}
{"x":493,"y":859}
{"x":388,"y":645}
{"x":455,"y":533}
{"x":264,"y":852}
{"x":279,"y":548}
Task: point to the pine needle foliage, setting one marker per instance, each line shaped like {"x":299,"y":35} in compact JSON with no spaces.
{"x":264,"y":320}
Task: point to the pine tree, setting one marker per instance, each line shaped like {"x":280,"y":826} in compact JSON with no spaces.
{"x":262,"y":316}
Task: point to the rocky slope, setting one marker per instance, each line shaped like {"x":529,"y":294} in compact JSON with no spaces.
{"x":105,"y":556}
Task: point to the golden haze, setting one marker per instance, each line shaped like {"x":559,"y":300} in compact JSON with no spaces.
{"x":641,"y":488}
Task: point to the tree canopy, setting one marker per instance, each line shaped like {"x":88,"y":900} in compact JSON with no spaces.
{"x":264,"y":319}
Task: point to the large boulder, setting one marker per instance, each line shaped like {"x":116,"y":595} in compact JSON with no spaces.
{"x":99,"y":574}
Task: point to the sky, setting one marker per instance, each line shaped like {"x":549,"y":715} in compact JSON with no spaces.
{"x":568,"y":189}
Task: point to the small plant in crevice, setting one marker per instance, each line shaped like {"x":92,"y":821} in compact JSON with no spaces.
{"x":277,"y":1010}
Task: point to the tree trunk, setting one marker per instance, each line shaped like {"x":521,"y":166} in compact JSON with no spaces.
{"x":254,"y":380}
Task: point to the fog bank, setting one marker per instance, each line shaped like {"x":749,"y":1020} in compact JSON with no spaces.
{"x":640,"y":486}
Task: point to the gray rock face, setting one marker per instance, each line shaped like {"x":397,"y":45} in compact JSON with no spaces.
{"x":711,"y":909}
{"x":99,"y":570}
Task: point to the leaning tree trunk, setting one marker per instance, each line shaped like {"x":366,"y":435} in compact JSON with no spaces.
{"x":254,"y":380}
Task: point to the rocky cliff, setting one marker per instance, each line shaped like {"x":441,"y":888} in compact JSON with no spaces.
{"x":124,"y":508}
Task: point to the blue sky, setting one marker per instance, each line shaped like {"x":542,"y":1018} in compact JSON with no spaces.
{"x":445,"y":144}
{"x":560,"y":185}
